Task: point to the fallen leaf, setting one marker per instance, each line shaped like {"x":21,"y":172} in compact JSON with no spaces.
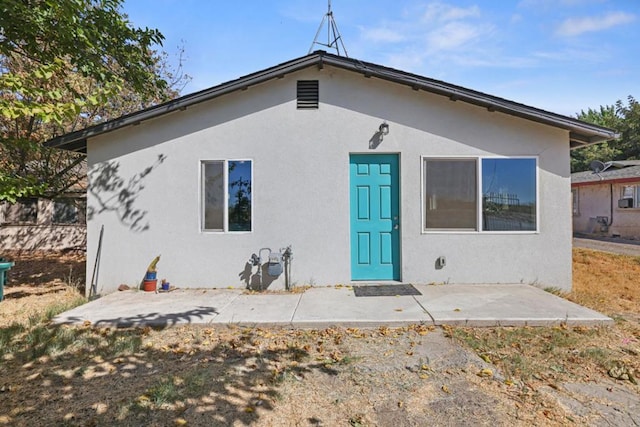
{"x":445,"y":389}
{"x":485,"y":373}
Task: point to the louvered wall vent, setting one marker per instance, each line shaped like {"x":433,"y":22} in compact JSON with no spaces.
{"x":307,"y":94}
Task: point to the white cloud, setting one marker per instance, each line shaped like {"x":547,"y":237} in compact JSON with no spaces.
{"x":383,"y":35}
{"x":572,"y":55}
{"x":453,"y":35}
{"x":576,"y":26}
{"x":444,"y":12}
{"x":494,"y":61}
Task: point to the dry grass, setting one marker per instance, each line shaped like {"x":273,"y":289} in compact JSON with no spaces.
{"x":38,"y":281}
{"x":196,"y":375}
{"x":535,"y":359}
{"x":607,"y":283}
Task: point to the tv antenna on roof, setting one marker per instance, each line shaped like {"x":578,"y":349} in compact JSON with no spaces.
{"x":332,"y":31}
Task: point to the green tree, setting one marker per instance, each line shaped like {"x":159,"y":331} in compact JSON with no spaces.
{"x":65,"y":65}
{"x":625,"y":118}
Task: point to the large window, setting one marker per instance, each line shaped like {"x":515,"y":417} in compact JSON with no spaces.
{"x":226,"y":195}
{"x":507,"y":186}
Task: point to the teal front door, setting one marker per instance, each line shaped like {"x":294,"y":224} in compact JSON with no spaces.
{"x":375,"y":217}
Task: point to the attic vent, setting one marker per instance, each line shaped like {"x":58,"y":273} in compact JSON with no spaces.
{"x":307,"y":94}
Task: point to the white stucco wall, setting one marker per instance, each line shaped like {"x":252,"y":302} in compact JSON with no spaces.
{"x":595,"y":200}
{"x":301,"y":186}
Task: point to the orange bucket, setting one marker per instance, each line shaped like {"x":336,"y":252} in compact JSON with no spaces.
{"x":149,"y":285}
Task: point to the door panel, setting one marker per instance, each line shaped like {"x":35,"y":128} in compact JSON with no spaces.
{"x":375,"y":217}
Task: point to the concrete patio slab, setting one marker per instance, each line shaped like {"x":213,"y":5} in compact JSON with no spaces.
{"x":502,"y":305}
{"x":339,"y":306}
{"x":137,"y":308}
{"x":263,"y":309}
{"x":469,"y":305}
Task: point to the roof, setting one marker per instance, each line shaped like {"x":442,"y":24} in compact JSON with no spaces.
{"x":616,"y":171}
{"x":580,"y":133}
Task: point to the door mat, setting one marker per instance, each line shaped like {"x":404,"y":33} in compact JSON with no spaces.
{"x":385,"y":290}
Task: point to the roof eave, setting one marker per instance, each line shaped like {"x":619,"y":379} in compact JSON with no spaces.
{"x":580,"y":133}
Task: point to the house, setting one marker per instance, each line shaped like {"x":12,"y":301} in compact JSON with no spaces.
{"x":44,"y":224}
{"x":367,"y":173}
{"x":607,"y":202}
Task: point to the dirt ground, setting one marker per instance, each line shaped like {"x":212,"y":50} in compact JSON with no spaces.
{"x":412,"y":376}
{"x":40,"y":280}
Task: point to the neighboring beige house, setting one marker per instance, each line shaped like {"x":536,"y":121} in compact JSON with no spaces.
{"x":607,"y":203}
{"x":368,"y":173}
{"x":42,"y":224}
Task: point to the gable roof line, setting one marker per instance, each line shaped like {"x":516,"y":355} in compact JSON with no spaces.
{"x":581,"y":133}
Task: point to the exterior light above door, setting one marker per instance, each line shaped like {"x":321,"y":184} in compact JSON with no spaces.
{"x":384,"y":128}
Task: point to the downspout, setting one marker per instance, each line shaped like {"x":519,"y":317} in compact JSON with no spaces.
{"x":611,"y":205}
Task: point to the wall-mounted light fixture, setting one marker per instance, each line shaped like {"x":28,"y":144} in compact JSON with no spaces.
{"x":379,"y":135}
{"x":384,"y":128}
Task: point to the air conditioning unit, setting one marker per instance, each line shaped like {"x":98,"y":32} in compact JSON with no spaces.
{"x":625,"y":203}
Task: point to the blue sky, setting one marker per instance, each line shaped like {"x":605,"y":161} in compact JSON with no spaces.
{"x":559,"y":55}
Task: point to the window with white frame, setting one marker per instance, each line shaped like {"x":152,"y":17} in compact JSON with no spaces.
{"x":632,"y":192}
{"x":508,"y":188}
{"x":575,"y":201}
{"x":226,"y":195}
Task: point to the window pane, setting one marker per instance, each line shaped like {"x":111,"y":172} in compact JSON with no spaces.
{"x":239,"y":190}
{"x":213,"y":197}
{"x":450,"y":194}
{"x":508,"y":194}
{"x":65,"y":212}
{"x":575,"y":199}
{"x":23,"y":211}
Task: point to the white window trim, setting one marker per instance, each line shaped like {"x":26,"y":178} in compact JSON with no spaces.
{"x":478,"y":230}
{"x":225,"y":184}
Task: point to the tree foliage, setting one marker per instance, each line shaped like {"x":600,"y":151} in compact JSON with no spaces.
{"x":623,"y":117}
{"x":66,"y":65}
{"x":93,"y":35}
